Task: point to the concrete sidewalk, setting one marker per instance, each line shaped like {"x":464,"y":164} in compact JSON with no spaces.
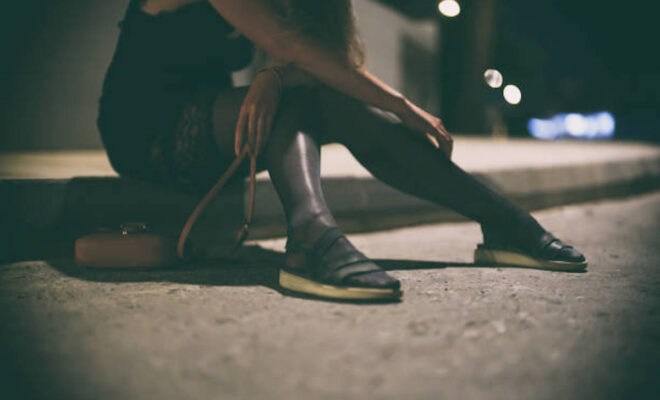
{"x":47,"y":191}
{"x":227,"y":331}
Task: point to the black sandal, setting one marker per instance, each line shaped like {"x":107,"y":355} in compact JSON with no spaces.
{"x":319,"y":276}
{"x":547,"y":253}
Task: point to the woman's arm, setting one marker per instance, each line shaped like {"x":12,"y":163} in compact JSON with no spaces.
{"x":258,"y":23}
{"x":293,"y":76}
{"x":289,"y":76}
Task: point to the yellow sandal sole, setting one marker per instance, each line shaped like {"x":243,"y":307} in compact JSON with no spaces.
{"x":300,"y":284}
{"x":512,"y":258}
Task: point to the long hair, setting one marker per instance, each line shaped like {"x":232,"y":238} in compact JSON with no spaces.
{"x":331,"y":23}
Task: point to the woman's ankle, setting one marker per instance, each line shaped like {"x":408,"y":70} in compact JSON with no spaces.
{"x":522,"y":235}
{"x":306,"y":231}
{"x":297,"y":248}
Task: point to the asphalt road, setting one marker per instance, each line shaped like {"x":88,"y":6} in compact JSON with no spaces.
{"x":225,"y":331}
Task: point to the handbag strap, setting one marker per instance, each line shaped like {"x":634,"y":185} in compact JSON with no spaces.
{"x":242,"y":233}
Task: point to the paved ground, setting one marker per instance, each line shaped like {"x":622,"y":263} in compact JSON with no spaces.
{"x":225,"y":331}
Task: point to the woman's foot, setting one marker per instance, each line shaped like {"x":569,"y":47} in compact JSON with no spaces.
{"x":332,"y":267}
{"x":541,"y":251}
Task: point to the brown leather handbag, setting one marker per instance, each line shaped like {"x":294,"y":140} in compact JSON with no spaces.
{"x":135,"y":245}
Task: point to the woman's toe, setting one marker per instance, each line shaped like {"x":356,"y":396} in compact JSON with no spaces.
{"x":376,"y":279}
{"x":568,"y":253}
{"x":559,"y":251}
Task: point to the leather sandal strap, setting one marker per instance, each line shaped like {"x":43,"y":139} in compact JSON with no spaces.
{"x":344,"y":260}
{"x":327,"y":239}
{"x":542,"y":243}
{"x":356,"y":269}
{"x":340,"y":268}
{"x":336,"y":269}
{"x":549,"y":246}
{"x":552,"y":249}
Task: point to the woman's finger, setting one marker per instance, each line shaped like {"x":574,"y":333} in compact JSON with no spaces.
{"x":444,"y":137}
{"x":267,"y":122}
{"x":269,"y":126}
{"x":445,"y":148}
{"x":433,"y":140}
{"x":240,"y":128}
{"x":443,"y":143}
{"x":449,"y":145}
{"x":252,"y":128}
{"x":448,"y":138}
{"x":260,"y":132}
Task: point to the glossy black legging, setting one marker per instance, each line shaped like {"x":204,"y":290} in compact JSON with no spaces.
{"x":310,"y":117}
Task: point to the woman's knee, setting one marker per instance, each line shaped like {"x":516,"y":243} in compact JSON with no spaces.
{"x":345,"y":119}
{"x":297,"y":110}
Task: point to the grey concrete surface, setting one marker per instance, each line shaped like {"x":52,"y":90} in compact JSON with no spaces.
{"x":222,"y":330}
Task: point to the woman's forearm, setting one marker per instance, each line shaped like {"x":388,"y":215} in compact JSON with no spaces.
{"x":259,"y":24}
{"x":293,"y":76}
{"x":358,"y":83}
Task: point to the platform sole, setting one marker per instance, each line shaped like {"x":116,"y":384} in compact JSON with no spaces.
{"x":512,"y":258}
{"x":301,"y":284}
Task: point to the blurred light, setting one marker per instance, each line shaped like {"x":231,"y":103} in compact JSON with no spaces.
{"x":576,"y":124}
{"x":600,"y":125}
{"x":493,"y":78}
{"x":449,"y":8}
{"x":606,"y":123}
{"x":512,"y":94}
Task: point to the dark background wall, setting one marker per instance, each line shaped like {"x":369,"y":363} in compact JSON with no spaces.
{"x":566,"y":56}
{"x":53,"y":56}
{"x":583,"y":56}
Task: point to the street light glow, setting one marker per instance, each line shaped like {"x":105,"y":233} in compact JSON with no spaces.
{"x":449,"y":8}
{"x":600,"y":125}
{"x":512,"y":94}
{"x":576,"y":124}
{"x":493,"y":78}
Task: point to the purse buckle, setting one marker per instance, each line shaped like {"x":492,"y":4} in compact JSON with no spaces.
{"x":134,"y":227}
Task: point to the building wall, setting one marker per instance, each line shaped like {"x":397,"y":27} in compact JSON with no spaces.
{"x":400,"y":51}
{"x":55,"y":54}
{"x":53,"y":71}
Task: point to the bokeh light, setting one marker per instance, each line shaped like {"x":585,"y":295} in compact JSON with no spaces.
{"x":601,"y":125}
{"x":512,"y":94}
{"x":575,"y":124}
{"x":493,"y":78}
{"x":449,"y":8}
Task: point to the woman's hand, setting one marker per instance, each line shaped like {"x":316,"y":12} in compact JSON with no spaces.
{"x":258,"y":111}
{"x":263,"y":27}
{"x":432,"y":127}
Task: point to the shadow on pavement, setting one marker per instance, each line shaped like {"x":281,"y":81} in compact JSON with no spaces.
{"x":254,"y":266}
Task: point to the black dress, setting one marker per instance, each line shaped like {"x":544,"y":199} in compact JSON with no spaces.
{"x":155,"y":112}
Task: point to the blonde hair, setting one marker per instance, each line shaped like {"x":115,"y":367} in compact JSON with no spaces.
{"x":331,"y":23}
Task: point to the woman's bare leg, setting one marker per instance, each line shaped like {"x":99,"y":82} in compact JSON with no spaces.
{"x":292,"y":157}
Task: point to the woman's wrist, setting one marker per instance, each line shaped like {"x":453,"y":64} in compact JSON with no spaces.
{"x":289,"y":76}
{"x":275,"y":74}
